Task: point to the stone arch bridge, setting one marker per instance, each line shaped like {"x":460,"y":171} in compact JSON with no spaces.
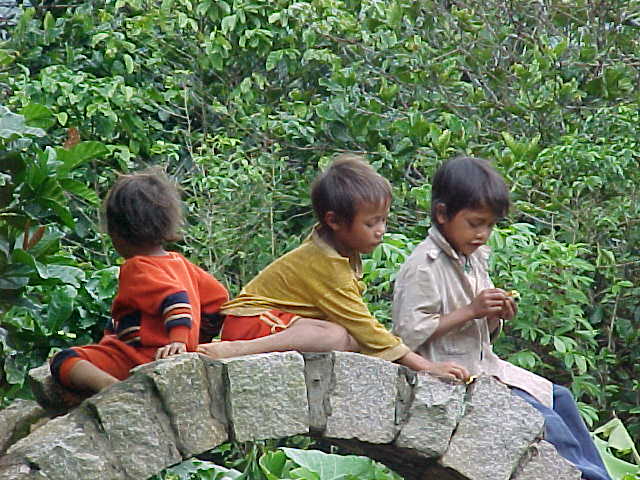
{"x":174,"y":409}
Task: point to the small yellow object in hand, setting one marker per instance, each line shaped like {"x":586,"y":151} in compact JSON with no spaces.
{"x":514,"y":294}
{"x":471,"y":379}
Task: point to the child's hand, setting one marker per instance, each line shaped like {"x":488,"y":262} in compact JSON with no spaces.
{"x":491,"y":303}
{"x":510,"y":307}
{"x":448,"y":370}
{"x":173,"y":348}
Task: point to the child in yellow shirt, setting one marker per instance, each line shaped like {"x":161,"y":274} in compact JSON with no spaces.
{"x":310,"y":299}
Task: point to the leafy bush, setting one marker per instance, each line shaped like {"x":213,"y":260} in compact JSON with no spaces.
{"x":287,"y":463}
{"x":244,"y":101}
{"x":46,"y":298}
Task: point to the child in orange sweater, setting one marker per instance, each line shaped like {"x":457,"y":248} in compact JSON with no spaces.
{"x":163,"y":300}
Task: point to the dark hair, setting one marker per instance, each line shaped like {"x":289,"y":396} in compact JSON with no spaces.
{"x":143,"y":209}
{"x":468,"y":182}
{"x":349,"y":180}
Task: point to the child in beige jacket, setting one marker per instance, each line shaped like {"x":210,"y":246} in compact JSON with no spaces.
{"x":447,"y":309}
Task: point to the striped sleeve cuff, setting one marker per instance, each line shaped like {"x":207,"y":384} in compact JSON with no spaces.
{"x":176,"y":311}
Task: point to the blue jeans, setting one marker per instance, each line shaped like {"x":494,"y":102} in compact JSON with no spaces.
{"x":565,"y":429}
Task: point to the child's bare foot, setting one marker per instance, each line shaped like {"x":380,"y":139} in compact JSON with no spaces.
{"x":218,"y":349}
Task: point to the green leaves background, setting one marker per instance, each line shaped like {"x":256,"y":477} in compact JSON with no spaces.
{"x":244,"y":101}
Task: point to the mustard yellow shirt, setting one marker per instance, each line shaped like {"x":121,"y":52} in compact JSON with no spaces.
{"x":315,"y":281}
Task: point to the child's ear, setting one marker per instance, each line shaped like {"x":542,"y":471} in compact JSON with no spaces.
{"x":441,"y":213}
{"x":332,"y":221}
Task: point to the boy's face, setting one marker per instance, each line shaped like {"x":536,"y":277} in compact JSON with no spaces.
{"x":366,"y":230}
{"x":468,"y":229}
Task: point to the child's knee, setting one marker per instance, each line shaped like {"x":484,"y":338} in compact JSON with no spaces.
{"x":341,"y":338}
{"x":563,"y":400}
{"x":562,"y":394}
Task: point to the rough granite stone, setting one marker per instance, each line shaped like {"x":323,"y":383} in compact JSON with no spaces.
{"x":48,"y":393}
{"x":16,"y":420}
{"x":318,"y":372}
{"x":138,"y":429}
{"x":497,"y":427}
{"x":434,"y":414}
{"x":13,"y":469}
{"x":66,"y":447}
{"x":543,"y":463}
{"x":183,"y":388}
{"x":216,"y":377}
{"x":362,"y":399}
{"x":405,"y":384}
{"x":266,"y":396}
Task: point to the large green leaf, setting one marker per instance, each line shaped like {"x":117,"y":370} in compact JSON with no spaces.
{"x":102,"y":284}
{"x":60,"y":307}
{"x":15,"y":368}
{"x":13,"y":282}
{"x":79,"y":154}
{"x":618,"y":438}
{"x":275,"y":465}
{"x":80,"y":189}
{"x":617,"y":468}
{"x":66,"y":274}
{"x":38,"y":115}
{"x":329,"y":466}
{"x":13,"y":125}
{"x":202,"y":469}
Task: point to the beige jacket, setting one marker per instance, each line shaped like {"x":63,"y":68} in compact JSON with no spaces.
{"x":431,"y":283}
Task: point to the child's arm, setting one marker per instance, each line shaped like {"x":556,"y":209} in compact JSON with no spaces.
{"x":440,"y":369}
{"x":212,"y":295}
{"x":418,"y":307}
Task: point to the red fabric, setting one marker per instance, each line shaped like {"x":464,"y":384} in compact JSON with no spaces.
{"x":111,"y":355}
{"x":145,"y":282}
{"x":247,"y":328}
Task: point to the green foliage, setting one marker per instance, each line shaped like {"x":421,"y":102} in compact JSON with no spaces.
{"x":41,"y":289}
{"x":379,"y":271}
{"x":244,"y":101}
{"x":198,"y":469}
{"x":287,"y":464}
{"x":613,"y":436}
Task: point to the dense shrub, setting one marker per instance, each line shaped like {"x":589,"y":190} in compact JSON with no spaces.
{"x":244,"y":101}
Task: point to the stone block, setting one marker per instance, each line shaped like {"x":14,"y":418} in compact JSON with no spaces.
{"x":434,"y":414}
{"x":494,"y":433}
{"x":70,"y":446}
{"x":266,"y":396}
{"x":542,"y":462}
{"x":16,"y":421}
{"x":15,"y":469}
{"x":183,"y":388}
{"x":405,"y":384}
{"x":362,"y":398}
{"x":318,"y":372}
{"x":216,"y":376}
{"x":49,"y":394}
{"x":138,"y":429}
